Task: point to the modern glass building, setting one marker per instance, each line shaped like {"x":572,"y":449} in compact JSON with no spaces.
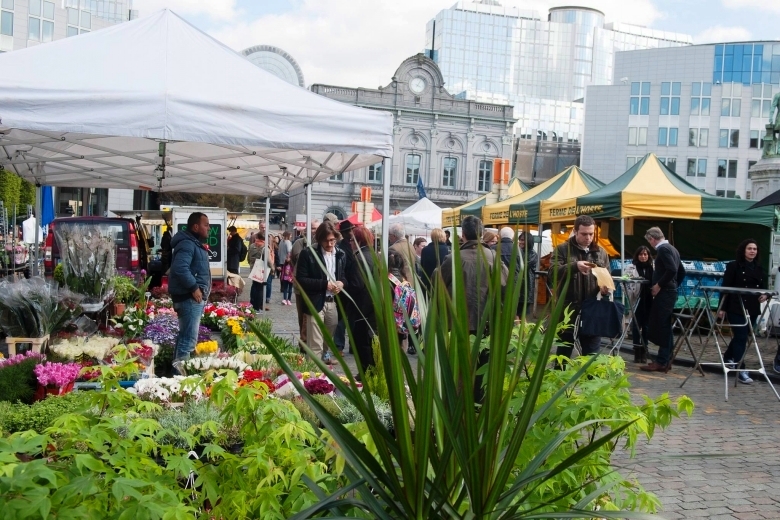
{"x":702,"y":109}
{"x":497,"y":54}
{"x":277,"y":62}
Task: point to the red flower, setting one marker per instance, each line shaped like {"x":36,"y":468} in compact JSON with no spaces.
{"x":221,"y":312}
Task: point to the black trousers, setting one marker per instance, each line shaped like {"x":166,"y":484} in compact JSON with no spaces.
{"x":363,"y":336}
{"x":590,"y":344}
{"x":659,"y":325}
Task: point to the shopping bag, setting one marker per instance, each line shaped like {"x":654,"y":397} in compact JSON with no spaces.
{"x":259,"y":271}
{"x":601,"y":317}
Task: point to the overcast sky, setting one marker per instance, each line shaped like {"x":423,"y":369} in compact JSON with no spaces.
{"x":360,"y":43}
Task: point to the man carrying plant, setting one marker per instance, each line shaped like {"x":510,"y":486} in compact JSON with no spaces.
{"x":189,"y":282}
{"x":575,"y":258}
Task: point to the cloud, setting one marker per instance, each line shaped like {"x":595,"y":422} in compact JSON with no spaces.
{"x":215,"y":9}
{"x":752,"y":4}
{"x":720,"y":34}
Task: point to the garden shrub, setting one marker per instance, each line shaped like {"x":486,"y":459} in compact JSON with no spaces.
{"x":41,"y":414}
{"x":18,"y":382}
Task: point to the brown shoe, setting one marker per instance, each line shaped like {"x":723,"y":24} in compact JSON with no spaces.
{"x":655,"y":367}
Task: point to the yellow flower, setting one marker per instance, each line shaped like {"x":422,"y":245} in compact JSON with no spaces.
{"x":206,"y":347}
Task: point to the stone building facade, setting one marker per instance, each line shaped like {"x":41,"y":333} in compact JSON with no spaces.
{"x":447,"y":142}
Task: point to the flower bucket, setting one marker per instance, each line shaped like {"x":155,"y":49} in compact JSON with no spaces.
{"x":118,"y":309}
{"x":44,"y":391}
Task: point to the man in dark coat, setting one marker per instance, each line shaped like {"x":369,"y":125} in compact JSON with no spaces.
{"x":575,"y":258}
{"x":667,"y":276}
{"x":189,"y":281}
{"x":234,"y":246}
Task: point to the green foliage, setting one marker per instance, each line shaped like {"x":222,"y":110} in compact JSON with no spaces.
{"x":453,"y":457}
{"x":125,"y":290}
{"x":41,"y":414}
{"x":349,"y":413}
{"x":59,"y":274}
{"x":374,"y":378}
{"x":10,"y":190}
{"x":26,"y":194}
{"x":18,"y":382}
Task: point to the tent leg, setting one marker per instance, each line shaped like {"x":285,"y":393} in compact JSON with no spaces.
{"x":38,"y":211}
{"x":267,"y":241}
{"x":622,"y":245}
{"x":308,"y":213}
{"x":385,"y":208}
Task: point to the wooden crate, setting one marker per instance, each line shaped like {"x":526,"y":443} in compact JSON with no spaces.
{"x":38,"y":344}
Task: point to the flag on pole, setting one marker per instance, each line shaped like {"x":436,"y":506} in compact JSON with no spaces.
{"x":420,"y":187}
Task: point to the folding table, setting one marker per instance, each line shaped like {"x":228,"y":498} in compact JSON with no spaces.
{"x":624,"y":284}
{"x":716,"y":330}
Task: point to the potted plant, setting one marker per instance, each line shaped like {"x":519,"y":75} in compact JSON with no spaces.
{"x":55,"y":378}
{"x":125,"y":293}
{"x":88,"y":260}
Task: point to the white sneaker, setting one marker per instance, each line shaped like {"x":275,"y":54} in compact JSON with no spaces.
{"x":744,"y":378}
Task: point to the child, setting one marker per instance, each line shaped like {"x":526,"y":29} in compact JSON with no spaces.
{"x":287,"y":282}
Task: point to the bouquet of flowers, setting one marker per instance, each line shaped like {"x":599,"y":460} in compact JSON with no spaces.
{"x":58,"y":375}
{"x":88,"y":257}
{"x":78,"y":347}
{"x":215,"y":315}
{"x":174,"y":389}
{"x":18,"y":358}
{"x":204,"y":364}
{"x":144,"y":351}
{"x":205,"y":348}
{"x":35,"y":307}
{"x":318,"y":386}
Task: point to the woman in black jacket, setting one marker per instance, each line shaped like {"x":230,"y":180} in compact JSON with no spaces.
{"x":433,"y":255}
{"x":742,"y":272}
{"x":642,"y":267}
{"x":359,"y":306}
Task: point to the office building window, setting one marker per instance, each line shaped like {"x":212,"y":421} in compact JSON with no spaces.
{"x":337,"y":178}
{"x":750,"y":165}
{"x":697,"y":168}
{"x":41,"y":21}
{"x":754,"y":138}
{"x":667,"y":137}
{"x":700,"y":98}
{"x":731,"y":101}
{"x":79,"y":22}
{"x":631,"y":160}
{"x":728,"y":139}
{"x":670,"y":162}
{"x":375,"y":173}
{"x":762,"y":100}
{"x":698,"y":137}
{"x":637,"y":135}
{"x":485,"y":173}
{"x":729,"y":194}
{"x":7,"y":18}
{"x":727,"y":169}
{"x":412,"y":168}
{"x":670,"y":98}
{"x":640,"y":99}
{"x":448,"y":172}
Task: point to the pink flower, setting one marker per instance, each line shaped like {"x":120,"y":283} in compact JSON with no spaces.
{"x":57,"y":374}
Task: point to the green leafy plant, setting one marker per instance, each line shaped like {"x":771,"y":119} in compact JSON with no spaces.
{"x":452,"y":456}
{"x":41,"y":414}
{"x":125,"y":290}
{"x":59,"y":274}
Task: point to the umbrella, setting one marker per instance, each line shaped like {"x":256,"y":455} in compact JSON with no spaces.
{"x":772,"y":199}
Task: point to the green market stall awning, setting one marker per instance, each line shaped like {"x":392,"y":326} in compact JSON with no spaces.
{"x":649,"y":190}
{"x":452,"y":216}
{"x":525,"y":207}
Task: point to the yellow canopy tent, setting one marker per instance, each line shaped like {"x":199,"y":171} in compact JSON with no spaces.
{"x":525,"y":207}
{"x":452,"y":216}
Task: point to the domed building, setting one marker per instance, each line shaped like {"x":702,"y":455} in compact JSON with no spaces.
{"x":277,"y":62}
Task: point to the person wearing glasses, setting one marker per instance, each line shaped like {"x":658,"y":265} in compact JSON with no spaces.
{"x":321,"y":276}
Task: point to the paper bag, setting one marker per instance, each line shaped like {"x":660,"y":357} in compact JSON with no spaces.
{"x":603,"y":277}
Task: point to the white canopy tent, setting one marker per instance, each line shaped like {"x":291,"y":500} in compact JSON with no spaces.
{"x":157,"y":104}
{"x":418,"y":219}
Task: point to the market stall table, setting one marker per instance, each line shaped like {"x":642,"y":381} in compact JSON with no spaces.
{"x":692,"y":310}
{"x":716,"y":330}
{"x":624,"y":284}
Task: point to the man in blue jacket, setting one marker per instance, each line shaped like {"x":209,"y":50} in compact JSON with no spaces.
{"x":189,"y":281}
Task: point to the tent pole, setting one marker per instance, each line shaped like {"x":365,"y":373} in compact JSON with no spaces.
{"x":308,"y":214}
{"x":267,"y":241}
{"x":385,"y":208}
{"x":38,"y":211}
{"x":622,"y":246}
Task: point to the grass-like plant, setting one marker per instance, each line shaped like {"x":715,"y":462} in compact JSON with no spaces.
{"x":448,"y":456}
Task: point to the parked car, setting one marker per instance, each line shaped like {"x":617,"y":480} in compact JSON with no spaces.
{"x":132,"y":244}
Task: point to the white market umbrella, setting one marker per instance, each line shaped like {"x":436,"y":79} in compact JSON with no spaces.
{"x":157,"y":104}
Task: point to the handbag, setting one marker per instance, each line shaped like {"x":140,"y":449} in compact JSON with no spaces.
{"x":601,"y":317}
{"x":259,"y":271}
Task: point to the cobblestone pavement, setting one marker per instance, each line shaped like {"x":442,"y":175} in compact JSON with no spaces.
{"x":721,"y":463}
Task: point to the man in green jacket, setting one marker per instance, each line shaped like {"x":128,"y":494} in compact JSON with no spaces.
{"x":575,"y":258}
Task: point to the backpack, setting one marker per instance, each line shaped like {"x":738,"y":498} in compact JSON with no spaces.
{"x":242,"y":252}
{"x":404,"y":305}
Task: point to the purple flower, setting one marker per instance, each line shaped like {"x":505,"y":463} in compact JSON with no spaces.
{"x":18,"y":358}
{"x":163,"y":330}
{"x":204,"y":333}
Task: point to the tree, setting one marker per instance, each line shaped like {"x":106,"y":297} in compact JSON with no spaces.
{"x":10,"y":187}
